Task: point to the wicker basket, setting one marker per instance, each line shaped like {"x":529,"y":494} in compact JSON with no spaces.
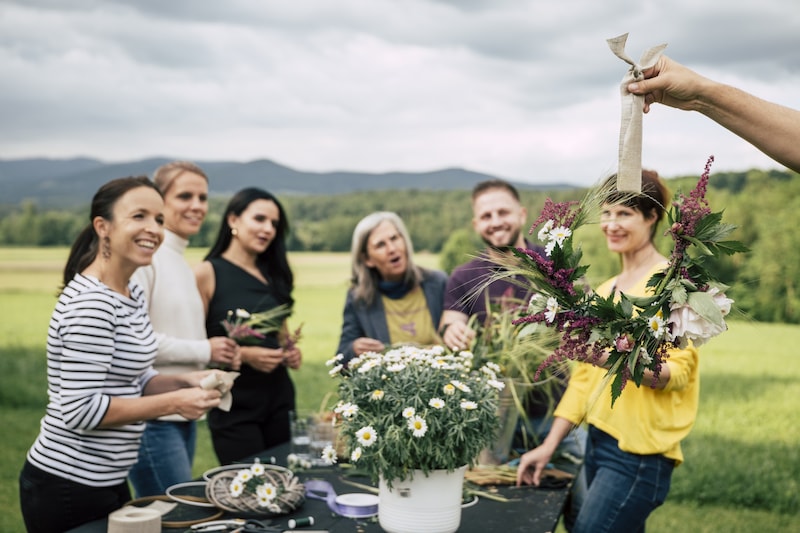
{"x":291,"y":492}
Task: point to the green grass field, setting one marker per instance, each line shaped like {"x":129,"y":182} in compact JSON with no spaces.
{"x":742,"y":469}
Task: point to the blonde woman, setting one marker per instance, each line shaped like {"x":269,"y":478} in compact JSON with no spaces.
{"x":178,"y":318}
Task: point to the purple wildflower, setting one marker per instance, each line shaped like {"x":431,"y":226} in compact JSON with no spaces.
{"x":560,"y":213}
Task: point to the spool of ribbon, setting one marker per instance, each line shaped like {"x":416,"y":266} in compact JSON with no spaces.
{"x":352,"y":505}
{"x":629,"y":174}
{"x":134,"y":520}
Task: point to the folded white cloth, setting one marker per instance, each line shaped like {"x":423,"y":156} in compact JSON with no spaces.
{"x":223,"y":382}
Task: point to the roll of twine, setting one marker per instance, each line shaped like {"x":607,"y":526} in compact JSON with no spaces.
{"x":217,"y":513}
{"x":134,"y":520}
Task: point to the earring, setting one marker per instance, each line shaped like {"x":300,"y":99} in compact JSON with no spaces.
{"x":234,"y":232}
{"x":105,"y":248}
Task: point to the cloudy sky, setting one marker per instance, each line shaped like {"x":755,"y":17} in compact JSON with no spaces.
{"x":526,"y":90}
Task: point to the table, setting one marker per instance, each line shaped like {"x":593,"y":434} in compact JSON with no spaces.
{"x":532,"y":510}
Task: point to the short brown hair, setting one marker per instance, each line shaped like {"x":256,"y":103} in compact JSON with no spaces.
{"x":496,"y":183}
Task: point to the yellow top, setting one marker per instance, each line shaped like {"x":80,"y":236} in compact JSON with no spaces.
{"x":644,"y":420}
{"x":409,"y":319}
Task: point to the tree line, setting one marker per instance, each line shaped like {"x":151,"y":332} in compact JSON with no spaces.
{"x":762,"y":204}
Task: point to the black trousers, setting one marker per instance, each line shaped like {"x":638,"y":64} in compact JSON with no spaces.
{"x":52,"y":504}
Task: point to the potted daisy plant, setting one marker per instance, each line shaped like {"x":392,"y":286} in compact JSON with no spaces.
{"x":411,"y":417}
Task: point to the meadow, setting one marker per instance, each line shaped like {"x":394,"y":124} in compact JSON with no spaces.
{"x":742,"y":469}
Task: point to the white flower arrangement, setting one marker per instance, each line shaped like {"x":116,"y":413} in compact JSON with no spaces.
{"x":414,"y":408}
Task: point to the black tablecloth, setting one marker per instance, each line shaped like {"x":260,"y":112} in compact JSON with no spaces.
{"x":531,"y":510}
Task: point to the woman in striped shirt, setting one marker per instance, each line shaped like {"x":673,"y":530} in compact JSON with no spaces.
{"x":101,"y":384}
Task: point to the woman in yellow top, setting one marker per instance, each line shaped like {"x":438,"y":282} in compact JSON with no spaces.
{"x":632,"y":448}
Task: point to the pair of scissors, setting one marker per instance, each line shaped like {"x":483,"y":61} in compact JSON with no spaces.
{"x":234,"y":525}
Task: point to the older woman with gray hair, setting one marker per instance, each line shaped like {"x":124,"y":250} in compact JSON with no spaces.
{"x":390,"y":300}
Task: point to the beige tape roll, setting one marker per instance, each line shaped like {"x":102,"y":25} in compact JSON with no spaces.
{"x":134,"y":520}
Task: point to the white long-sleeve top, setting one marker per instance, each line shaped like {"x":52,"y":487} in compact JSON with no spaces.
{"x":175,"y":308}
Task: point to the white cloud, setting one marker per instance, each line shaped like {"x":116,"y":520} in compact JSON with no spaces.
{"x":522,"y":89}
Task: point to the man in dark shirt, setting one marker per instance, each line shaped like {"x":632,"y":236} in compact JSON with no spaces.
{"x":499,"y":218}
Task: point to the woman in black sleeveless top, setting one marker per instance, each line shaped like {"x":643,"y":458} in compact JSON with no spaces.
{"x":247,"y":268}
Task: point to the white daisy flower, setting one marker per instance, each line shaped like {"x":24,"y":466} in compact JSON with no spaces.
{"x":499,"y":385}
{"x":418,"y":426}
{"x":367,"y":366}
{"x":267,"y":490}
{"x":245,"y":475}
{"x":377,"y":394}
{"x":491,"y":374}
{"x":408,"y":412}
{"x":257,"y":469}
{"x":544,"y":232}
{"x":436,"y":403}
{"x":335,"y":370}
{"x":356,"y":455}
{"x":560,"y":234}
{"x":468,"y":405}
{"x":329,"y":455}
{"x":366,"y":436}
{"x":236,"y":488}
{"x":333,"y":360}
{"x":494,"y":366}
{"x":349,"y":410}
{"x":449,"y":389}
{"x":460,"y":386}
{"x":657,"y":326}
{"x":552,"y":309}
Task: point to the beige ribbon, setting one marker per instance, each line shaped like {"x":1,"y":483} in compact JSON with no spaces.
{"x":629,"y":174}
{"x":223,"y":382}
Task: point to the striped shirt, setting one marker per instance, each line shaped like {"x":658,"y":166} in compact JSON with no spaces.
{"x":100,"y":344}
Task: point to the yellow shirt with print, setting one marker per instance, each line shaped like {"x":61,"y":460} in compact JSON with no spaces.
{"x":409,"y":319}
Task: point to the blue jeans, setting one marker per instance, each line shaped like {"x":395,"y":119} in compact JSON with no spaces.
{"x":165,"y":457}
{"x":624,"y":488}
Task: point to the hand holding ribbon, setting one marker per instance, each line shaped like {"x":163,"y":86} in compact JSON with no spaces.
{"x":629,"y":174}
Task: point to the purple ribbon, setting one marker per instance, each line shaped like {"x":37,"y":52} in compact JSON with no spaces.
{"x":356,"y":505}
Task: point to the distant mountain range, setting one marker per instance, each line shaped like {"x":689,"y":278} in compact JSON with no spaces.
{"x":72,"y":182}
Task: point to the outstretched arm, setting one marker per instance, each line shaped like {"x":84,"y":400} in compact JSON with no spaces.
{"x":772,"y":128}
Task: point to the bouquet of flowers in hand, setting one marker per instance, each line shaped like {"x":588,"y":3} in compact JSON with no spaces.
{"x":249,"y":329}
{"x":686,"y":302}
{"x":414,"y":408}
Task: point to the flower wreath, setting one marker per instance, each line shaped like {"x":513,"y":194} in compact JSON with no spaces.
{"x":686,"y":303}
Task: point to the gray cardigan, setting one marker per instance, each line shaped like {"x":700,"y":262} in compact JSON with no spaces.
{"x":361,"y":320}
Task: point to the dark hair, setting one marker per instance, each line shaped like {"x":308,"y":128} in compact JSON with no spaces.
{"x":166,"y":174}
{"x":484,"y":186}
{"x":85,"y":247}
{"x":650,"y":202}
{"x":272,"y":262}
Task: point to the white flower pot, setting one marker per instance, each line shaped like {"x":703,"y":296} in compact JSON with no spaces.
{"x":425,"y":504}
